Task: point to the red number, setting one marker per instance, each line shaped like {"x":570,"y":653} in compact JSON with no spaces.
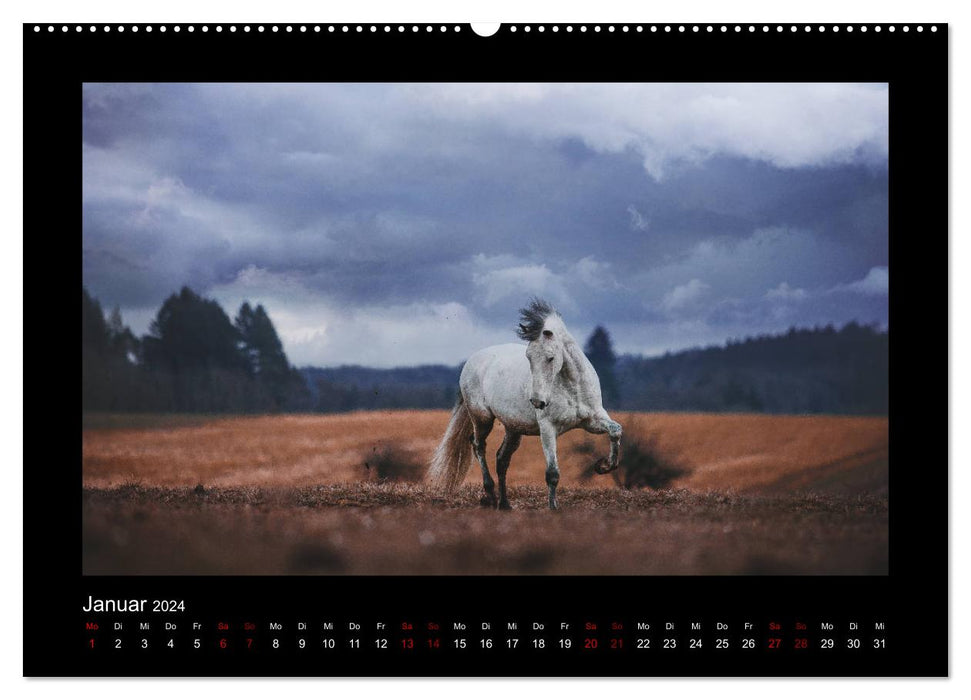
{"x":775,"y":643}
{"x":222,"y":644}
{"x":249,"y":642}
{"x":802,"y":643}
{"x":589,"y":643}
{"x":616,"y":643}
{"x":408,"y":643}
{"x":91,"y":642}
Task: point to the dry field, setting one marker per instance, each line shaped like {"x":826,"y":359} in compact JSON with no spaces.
{"x":342,"y":494}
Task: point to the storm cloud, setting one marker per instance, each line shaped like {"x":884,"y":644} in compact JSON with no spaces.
{"x":403,"y":224}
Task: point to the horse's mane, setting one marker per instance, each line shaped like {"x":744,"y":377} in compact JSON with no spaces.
{"x":533,"y":317}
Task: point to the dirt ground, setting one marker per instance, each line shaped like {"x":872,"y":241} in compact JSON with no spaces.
{"x":342,"y":494}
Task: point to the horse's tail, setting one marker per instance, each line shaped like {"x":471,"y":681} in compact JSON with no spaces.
{"x":451,"y":460}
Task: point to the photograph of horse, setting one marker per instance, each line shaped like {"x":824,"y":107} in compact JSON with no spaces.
{"x":655,"y":315}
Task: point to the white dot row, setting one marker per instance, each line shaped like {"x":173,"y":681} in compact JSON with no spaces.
{"x":247,"y":28}
{"x":512,"y":28}
{"x":726,"y":28}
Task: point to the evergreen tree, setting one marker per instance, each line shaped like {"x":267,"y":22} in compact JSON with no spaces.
{"x":192,"y":333}
{"x":192,"y":358}
{"x":94,"y":331}
{"x":265,"y":358}
{"x":244,"y":326}
{"x":122,"y":341}
{"x":600,"y":351}
{"x":108,"y":348}
{"x":260,"y":343}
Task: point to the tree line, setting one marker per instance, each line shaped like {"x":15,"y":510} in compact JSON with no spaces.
{"x":818,"y":370}
{"x":193,"y":359}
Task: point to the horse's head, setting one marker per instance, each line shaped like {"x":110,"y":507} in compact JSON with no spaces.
{"x":543,"y":328}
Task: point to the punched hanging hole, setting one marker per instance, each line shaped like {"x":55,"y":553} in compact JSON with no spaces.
{"x":485,"y":29}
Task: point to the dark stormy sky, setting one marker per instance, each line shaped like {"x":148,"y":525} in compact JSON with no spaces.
{"x":403,"y":224}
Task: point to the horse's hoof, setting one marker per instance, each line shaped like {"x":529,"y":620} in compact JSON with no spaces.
{"x":487,"y":502}
{"x":504,"y":506}
{"x":599,"y":467}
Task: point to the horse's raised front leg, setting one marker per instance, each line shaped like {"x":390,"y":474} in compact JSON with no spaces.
{"x":510,"y":444}
{"x":547,"y":434}
{"x":601,"y":424}
{"x":480,"y":431}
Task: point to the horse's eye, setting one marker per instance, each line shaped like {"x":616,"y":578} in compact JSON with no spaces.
{"x":549,"y":359}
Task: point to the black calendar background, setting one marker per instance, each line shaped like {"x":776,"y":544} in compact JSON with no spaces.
{"x":911,"y":601}
{"x":910,"y":649}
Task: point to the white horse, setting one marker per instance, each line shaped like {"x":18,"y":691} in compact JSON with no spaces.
{"x":547,"y":390}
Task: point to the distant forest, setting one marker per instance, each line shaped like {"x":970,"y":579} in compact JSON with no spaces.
{"x":820,"y":370}
{"x":195,"y":359}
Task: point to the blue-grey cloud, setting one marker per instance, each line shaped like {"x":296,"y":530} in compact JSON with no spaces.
{"x":413,"y":220}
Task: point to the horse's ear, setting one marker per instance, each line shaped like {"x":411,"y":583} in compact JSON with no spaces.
{"x":548,"y":334}
{"x":523,"y":328}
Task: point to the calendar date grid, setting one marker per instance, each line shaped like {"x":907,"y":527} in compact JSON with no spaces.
{"x":419,"y":636}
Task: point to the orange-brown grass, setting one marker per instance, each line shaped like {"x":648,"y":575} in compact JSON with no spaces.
{"x":342,"y":494}
{"x":738,"y":452}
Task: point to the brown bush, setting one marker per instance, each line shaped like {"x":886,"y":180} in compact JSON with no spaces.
{"x":642,"y":463}
{"x":388,"y":462}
